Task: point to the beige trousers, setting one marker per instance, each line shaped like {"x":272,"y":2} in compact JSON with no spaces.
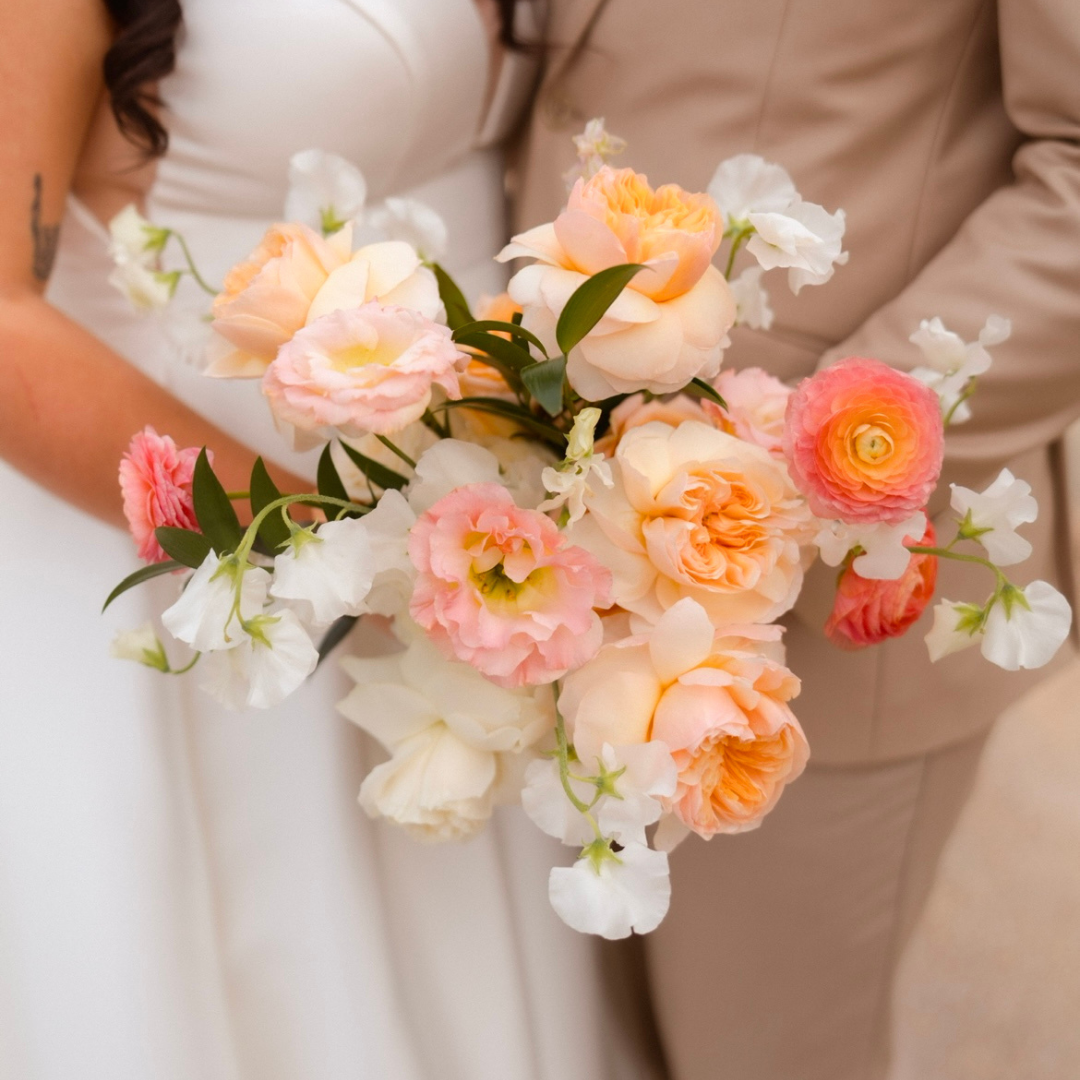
{"x":776,"y":961}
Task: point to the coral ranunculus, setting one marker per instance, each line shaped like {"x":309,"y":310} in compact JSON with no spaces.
{"x":864,"y":442}
{"x":500,"y":588}
{"x":868,"y":611}
{"x":670,"y":323}
{"x":155,"y":479}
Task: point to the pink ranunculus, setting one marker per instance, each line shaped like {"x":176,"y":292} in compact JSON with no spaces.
{"x":155,"y":479}
{"x":866,"y":612}
{"x":370,"y":369}
{"x":756,"y":404}
{"x":864,"y":442}
{"x":500,"y":588}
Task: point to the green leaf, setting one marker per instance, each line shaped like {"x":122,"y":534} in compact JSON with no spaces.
{"x":457,"y":307}
{"x":545,"y":382}
{"x":497,"y":326}
{"x":145,"y":573}
{"x":338,"y":631}
{"x":263,"y":491}
{"x":589,"y":302}
{"x":701,"y":389}
{"x":214,"y":511}
{"x":505,"y":356}
{"x":375,"y":471}
{"x":508,"y":409}
{"x":186,"y":547}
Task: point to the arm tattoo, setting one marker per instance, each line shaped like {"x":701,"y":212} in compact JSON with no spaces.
{"x":46,"y":237}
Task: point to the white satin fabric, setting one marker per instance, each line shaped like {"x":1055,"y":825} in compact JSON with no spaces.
{"x":188,"y":894}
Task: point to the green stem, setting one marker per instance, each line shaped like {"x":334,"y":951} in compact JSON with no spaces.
{"x":968,"y":390}
{"x":192,"y":269}
{"x":563,"y":753}
{"x":396,"y":450}
{"x":946,"y":553}
{"x":736,"y":243}
{"x":186,"y":668}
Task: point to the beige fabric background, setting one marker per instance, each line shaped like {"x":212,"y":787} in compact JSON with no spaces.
{"x":989,"y":988}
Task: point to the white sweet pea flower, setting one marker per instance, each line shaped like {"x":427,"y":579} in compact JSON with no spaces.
{"x":951,"y":362}
{"x":885,"y":556}
{"x":805,"y":238}
{"x":956,"y":626}
{"x":272,"y":657}
{"x":612,"y":894}
{"x":595,"y":147}
{"x":141,"y":645}
{"x":569,"y":483}
{"x":414,"y":222}
{"x":751,"y":300}
{"x":204,"y":616}
{"x":326,"y":192}
{"x":992,"y":517}
{"x":748,"y":184}
{"x":145,"y":288}
{"x":450,"y":464}
{"x":627,"y":783}
{"x":134,"y":238}
{"x":446,"y":728}
{"x":1026,"y":627}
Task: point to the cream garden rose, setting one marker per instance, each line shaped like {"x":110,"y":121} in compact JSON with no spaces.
{"x":670,"y":324}
{"x":698,"y":513}
{"x":295,"y":277}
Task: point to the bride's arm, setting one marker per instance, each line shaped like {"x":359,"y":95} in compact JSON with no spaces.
{"x":68,"y":403}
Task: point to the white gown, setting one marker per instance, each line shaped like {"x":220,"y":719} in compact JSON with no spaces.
{"x":190,"y":894}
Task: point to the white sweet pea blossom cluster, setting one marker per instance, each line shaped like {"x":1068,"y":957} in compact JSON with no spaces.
{"x":1016,"y":627}
{"x":883,"y":556}
{"x":762,"y":207}
{"x":595,"y":147}
{"x":570,"y":482}
{"x":952,"y":364}
{"x":136,"y":245}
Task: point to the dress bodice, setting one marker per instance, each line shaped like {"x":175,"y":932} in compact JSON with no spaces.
{"x":397,"y":87}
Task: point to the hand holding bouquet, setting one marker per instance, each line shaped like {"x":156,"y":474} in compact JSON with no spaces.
{"x":582,"y":530}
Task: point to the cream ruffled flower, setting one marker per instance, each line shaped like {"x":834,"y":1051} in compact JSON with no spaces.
{"x":993,"y":516}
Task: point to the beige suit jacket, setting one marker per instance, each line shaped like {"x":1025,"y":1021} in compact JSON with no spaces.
{"x":949,"y":131}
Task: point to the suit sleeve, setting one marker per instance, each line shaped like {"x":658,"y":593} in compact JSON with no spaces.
{"x":1017,"y":255}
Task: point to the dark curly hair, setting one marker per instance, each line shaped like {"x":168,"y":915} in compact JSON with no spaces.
{"x":144,"y":52}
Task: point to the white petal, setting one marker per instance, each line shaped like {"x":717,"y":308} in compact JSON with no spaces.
{"x":323,"y":185}
{"x":747,"y":184}
{"x":200,"y":616}
{"x":450,"y":464}
{"x":945,"y":636}
{"x":1028,"y":637}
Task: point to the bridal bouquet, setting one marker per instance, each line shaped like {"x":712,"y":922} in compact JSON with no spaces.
{"x":580,"y":530}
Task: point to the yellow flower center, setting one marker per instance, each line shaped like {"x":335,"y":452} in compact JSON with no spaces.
{"x":505,"y":596}
{"x":382,"y":353}
{"x":872,"y":443}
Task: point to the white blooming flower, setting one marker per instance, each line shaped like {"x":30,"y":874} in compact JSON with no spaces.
{"x":145,"y":288}
{"x":595,"y":146}
{"x":270,"y":660}
{"x":204,"y":616}
{"x":805,"y":237}
{"x":569,"y":483}
{"x":885,"y":556}
{"x":630,"y":781}
{"x":748,"y":184}
{"x":1026,"y":627}
{"x":414,"y":222}
{"x":612,"y":894}
{"x":134,"y":238}
{"x":446,"y":728}
{"x":992,"y":517}
{"x":951,"y":363}
{"x":450,"y":464}
{"x":141,"y":645}
{"x":326,"y":192}
{"x":956,"y":626}
{"x":751,"y":300}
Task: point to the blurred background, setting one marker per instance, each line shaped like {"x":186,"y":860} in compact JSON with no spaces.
{"x":990,"y":985}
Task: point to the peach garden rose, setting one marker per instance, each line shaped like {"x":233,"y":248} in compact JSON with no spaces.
{"x":697,"y":512}
{"x":670,"y":324}
{"x":864,"y":442}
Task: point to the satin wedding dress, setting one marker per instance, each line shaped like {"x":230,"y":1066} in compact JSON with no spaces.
{"x":190,"y":894}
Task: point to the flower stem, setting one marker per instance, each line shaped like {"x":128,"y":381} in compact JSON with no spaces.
{"x":396,"y":450}
{"x":186,"y":668}
{"x":946,"y":553}
{"x":736,"y":243}
{"x":192,"y":269}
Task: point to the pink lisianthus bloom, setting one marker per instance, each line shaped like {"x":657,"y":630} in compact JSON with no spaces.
{"x":756,"y":404}
{"x":718,"y":700}
{"x":500,"y":588}
{"x":369,"y":369}
{"x":864,"y":442}
{"x":155,"y":479}
{"x":866,"y":612}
